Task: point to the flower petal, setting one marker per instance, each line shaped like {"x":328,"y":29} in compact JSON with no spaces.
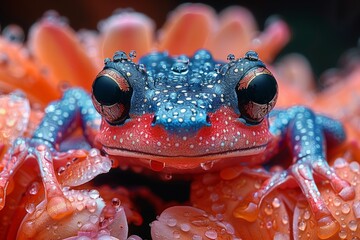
{"x":18,"y":71}
{"x":57,"y":47}
{"x":220,"y":197}
{"x":237,"y":29}
{"x":271,"y":40}
{"x":184,"y":222}
{"x":188,"y":29}
{"x":127,"y":31}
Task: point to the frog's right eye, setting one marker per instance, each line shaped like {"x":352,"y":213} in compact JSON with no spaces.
{"x":111,"y":95}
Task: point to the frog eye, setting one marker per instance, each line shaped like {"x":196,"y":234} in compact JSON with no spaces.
{"x":257,"y":93}
{"x":111,"y":95}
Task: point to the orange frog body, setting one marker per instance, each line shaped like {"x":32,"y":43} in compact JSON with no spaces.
{"x":179,"y":115}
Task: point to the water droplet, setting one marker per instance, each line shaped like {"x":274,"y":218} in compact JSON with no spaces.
{"x":342,"y":234}
{"x":185,"y":227}
{"x":302,"y":225}
{"x":34,"y":188}
{"x":307,"y":214}
{"x":352,"y":225}
{"x":91,"y":206}
{"x":356,"y":209}
{"x":115,"y":202}
{"x":196,"y":237}
{"x":340,"y":163}
{"x":252,"y":56}
{"x":132,"y":54}
{"x":230,"y":57}
{"x":156,"y":165}
{"x":218,"y":207}
{"x":171,"y":222}
{"x":120,"y":56}
{"x":345,"y":208}
{"x":211,"y":234}
{"x":355,"y":167}
{"x":276,"y":203}
{"x":176,"y":234}
{"x":207,"y":165}
{"x":79,"y":224}
{"x":30,"y":207}
{"x":94,"y":194}
{"x":337,"y":202}
{"x":61,"y":170}
{"x":142,"y":68}
{"x":13,"y":33}
{"x":268,"y":209}
{"x":179,"y":67}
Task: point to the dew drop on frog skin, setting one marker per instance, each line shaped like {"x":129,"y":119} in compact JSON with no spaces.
{"x":230,"y":57}
{"x":156,"y":165}
{"x":132,"y":54}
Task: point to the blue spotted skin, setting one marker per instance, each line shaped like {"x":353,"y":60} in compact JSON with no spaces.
{"x":181,"y":91}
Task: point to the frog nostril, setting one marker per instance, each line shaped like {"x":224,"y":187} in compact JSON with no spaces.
{"x":208,"y":122}
{"x":153,"y":122}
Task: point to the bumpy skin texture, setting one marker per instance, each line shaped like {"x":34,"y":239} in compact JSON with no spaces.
{"x":186,"y":115}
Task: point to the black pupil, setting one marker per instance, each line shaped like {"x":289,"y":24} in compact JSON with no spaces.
{"x":262,"y":89}
{"x":106,"y":91}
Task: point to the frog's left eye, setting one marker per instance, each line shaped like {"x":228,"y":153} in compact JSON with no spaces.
{"x":111,"y":95}
{"x":257,"y":93}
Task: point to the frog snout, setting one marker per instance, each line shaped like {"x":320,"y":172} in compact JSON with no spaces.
{"x":182,"y":120}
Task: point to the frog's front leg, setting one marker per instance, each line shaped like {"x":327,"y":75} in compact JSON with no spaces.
{"x":306,"y":136}
{"x":62,"y":117}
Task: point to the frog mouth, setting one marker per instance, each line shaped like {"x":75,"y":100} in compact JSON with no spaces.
{"x":122,"y":152}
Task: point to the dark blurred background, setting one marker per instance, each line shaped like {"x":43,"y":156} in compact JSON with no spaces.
{"x":322,"y":30}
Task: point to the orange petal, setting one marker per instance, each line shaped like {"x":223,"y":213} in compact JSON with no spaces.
{"x":347,"y":213}
{"x":14,"y":118}
{"x":295,"y":70}
{"x":271,"y":40}
{"x":56,"y":46}
{"x":88,"y":218}
{"x":220,"y":198}
{"x":237,"y":29}
{"x":184,"y":222}
{"x":127,"y":31}
{"x":188,"y":29}
{"x":18,"y":71}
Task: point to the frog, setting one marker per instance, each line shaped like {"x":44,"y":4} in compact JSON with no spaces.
{"x":185,"y":115}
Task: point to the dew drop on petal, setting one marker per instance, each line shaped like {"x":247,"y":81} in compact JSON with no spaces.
{"x":302,"y":225}
{"x":171,"y":222}
{"x":345,"y":208}
{"x":176,"y":235}
{"x":211,"y":234}
{"x":276,"y":203}
{"x":196,"y":237}
{"x":185,"y":227}
{"x":337,"y":202}
{"x":352,"y":225}
{"x":356,"y":209}
{"x":342,"y":234}
{"x":94,"y":194}
{"x":307,"y":214}
{"x":30,"y":207}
